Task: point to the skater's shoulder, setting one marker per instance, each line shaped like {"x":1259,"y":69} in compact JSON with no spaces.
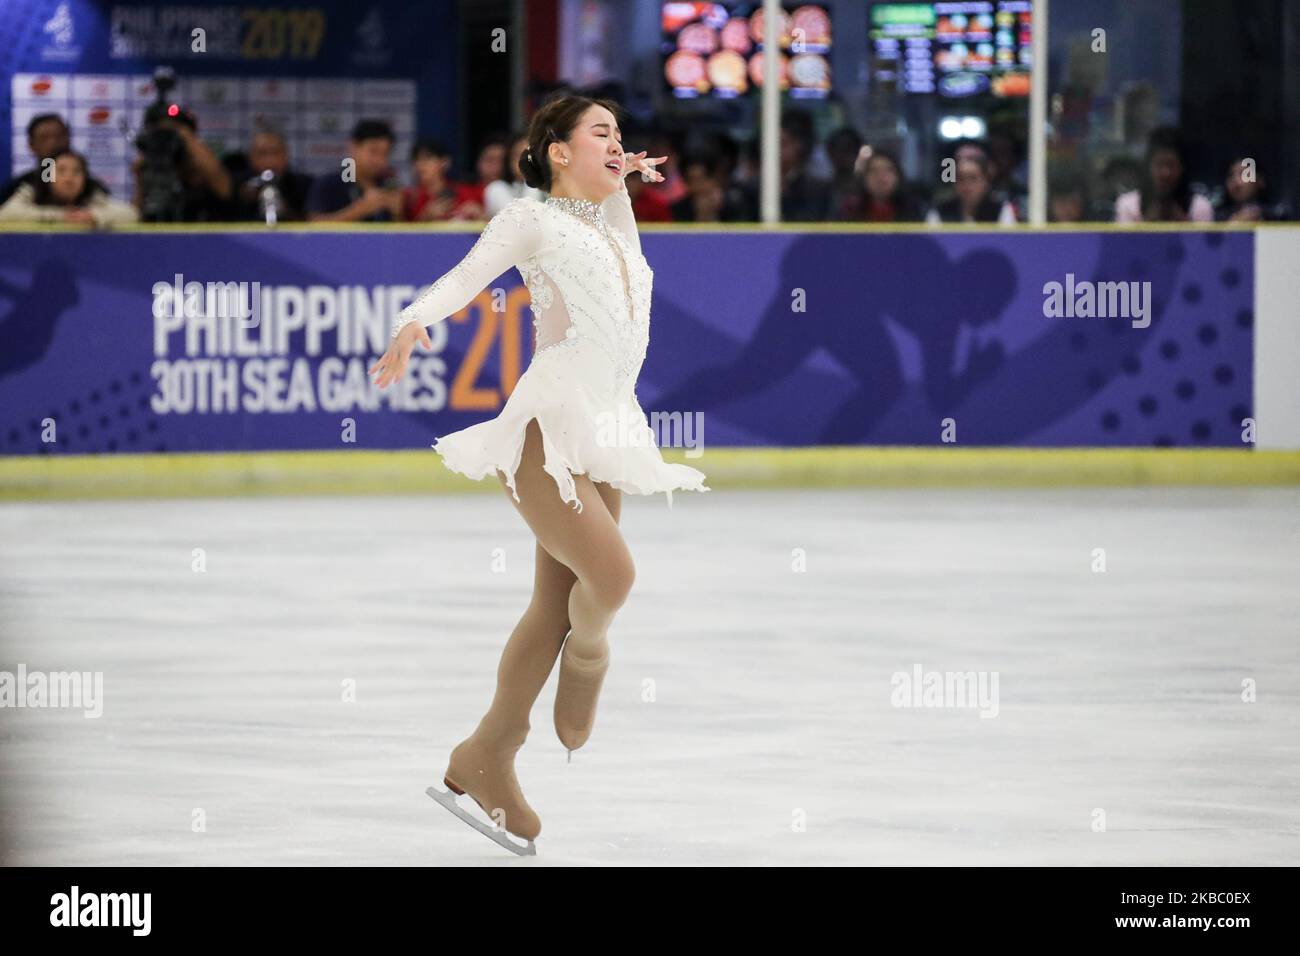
{"x":521,"y":217}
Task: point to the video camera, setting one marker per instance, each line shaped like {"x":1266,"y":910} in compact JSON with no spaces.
{"x":162,"y":152}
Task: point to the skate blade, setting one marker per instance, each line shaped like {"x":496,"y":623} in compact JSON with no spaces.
{"x":496,"y":835}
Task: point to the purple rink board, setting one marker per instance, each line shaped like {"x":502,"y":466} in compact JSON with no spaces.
{"x":778,"y":339}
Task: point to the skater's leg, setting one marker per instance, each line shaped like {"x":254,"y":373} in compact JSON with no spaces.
{"x":587,"y":542}
{"x":612,"y":497}
{"x":483,"y":764}
{"x":530,"y":654}
{"x":590,"y":545}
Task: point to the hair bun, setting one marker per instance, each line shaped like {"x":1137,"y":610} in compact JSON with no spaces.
{"x":531,"y":169}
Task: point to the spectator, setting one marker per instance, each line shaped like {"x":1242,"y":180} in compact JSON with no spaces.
{"x":1245,"y":195}
{"x":958,"y":150}
{"x":268,"y":153}
{"x":488,"y":168}
{"x":881,"y":194}
{"x":1005,"y":161}
{"x":434,"y":198}
{"x":1067,"y":200}
{"x":1121,"y":174}
{"x":511,"y":185}
{"x":974,"y":201}
{"x":741,"y":200}
{"x":803,"y":198}
{"x":206,"y":190}
{"x":47,"y":136}
{"x":368,"y":197}
{"x":1165,"y":194}
{"x":971,"y":149}
{"x":673,"y":186}
{"x":70,"y":196}
{"x":707,"y":199}
{"x":647,"y":204}
{"x":844,"y":150}
{"x":749,"y":164}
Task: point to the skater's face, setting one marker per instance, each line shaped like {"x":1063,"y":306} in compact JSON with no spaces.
{"x":594,"y":151}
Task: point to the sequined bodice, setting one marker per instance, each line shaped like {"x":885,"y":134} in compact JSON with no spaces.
{"x":603,"y":285}
{"x":588,"y":282}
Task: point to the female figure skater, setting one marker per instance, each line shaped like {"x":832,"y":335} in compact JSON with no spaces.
{"x":579,"y":255}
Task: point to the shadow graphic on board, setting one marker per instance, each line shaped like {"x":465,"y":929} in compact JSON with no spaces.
{"x":27,"y":327}
{"x":929,"y":295}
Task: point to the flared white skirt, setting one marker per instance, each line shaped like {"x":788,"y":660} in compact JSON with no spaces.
{"x":607,"y":439}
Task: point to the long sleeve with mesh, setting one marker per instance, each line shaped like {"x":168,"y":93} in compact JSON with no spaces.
{"x":617,"y":207}
{"x":511,"y":236}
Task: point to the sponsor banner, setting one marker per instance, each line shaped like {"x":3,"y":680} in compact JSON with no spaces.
{"x":1021,"y":339}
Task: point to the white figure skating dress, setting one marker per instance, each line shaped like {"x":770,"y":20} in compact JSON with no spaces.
{"x":590,"y":288}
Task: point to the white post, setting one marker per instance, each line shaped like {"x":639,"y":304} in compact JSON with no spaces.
{"x":771,"y":113}
{"x":1038,"y":118}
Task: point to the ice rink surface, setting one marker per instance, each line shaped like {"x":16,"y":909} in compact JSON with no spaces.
{"x":747,"y":717}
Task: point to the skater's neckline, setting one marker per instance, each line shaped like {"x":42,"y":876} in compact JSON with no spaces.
{"x":584,"y":209}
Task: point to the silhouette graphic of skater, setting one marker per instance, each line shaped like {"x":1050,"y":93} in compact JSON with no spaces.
{"x":852,"y":284}
{"x":28,"y":328}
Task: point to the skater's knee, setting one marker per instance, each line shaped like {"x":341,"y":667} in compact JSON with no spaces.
{"x":547,"y":615}
{"x":611,"y":583}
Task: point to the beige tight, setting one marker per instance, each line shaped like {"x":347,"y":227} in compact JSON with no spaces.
{"x":584,"y":573}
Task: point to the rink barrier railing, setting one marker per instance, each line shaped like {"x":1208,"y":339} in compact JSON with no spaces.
{"x":420,"y":471}
{"x":476,"y":226}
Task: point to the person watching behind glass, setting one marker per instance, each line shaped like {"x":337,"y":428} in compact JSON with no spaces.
{"x":70,"y":196}
{"x":974,"y":201}
{"x":366,"y":195}
{"x":499,"y":192}
{"x":267,"y":163}
{"x":47,"y":136}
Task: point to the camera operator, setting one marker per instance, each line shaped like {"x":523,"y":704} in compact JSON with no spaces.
{"x":204,"y":184}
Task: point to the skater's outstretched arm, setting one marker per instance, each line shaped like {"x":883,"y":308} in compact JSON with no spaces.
{"x":511,"y":236}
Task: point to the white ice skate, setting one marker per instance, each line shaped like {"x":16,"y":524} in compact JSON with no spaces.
{"x":497,"y":835}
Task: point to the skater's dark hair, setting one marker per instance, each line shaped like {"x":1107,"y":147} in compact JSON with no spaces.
{"x":554,"y":123}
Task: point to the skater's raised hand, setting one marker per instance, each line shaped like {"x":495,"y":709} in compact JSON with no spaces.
{"x":392,"y":364}
{"x":646,"y":167}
